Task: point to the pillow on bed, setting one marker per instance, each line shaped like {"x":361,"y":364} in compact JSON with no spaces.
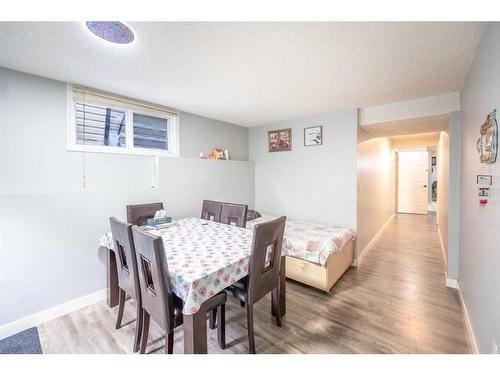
{"x":252,"y":215}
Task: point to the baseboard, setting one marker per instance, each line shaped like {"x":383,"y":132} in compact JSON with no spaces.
{"x":468,"y":322}
{"x":34,"y":320}
{"x":452,"y":283}
{"x":359,"y":259}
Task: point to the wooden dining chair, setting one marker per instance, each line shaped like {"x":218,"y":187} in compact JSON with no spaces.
{"x":158,"y":299}
{"x":128,"y":277}
{"x":138,"y":214}
{"x":263,"y":272}
{"x":210,"y":210}
{"x":234,"y":214}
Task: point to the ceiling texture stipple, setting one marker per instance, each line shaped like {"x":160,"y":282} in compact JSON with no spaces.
{"x":252,"y":73}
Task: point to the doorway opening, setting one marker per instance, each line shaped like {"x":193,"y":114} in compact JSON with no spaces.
{"x":417,"y":175}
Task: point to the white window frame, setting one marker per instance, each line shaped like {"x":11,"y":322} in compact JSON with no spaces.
{"x":129,"y":149}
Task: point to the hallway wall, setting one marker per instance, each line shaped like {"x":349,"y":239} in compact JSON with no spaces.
{"x":443,"y":189}
{"x":480,"y":231}
{"x":376,"y":189}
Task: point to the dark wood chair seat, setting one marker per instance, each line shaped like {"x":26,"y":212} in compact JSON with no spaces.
{"x":178,"y":305}
{"x":240,"y":290}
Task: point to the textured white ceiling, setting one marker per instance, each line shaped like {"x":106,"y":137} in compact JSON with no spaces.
{"x":252,"y":73}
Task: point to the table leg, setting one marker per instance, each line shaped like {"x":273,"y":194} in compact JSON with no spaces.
{"x":195,"y":332}
{"x":281,"y":289}
{"x":112,"y":276}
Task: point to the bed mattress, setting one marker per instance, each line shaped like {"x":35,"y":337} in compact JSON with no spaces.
{"x":310,"y":241}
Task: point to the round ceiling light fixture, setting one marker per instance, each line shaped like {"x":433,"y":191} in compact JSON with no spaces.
{"x":111,"y":31}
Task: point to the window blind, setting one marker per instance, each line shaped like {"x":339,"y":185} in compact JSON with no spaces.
{"x":82,"y":95}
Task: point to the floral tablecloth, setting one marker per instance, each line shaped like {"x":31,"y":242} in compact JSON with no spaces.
{"x":313,"y":242}
{"x":204,"y":257}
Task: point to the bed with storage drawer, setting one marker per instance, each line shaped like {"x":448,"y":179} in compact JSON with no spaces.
{"x":318,"y":254}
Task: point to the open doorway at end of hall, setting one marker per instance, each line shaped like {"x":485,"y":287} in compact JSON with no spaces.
{"x":416,"y":180}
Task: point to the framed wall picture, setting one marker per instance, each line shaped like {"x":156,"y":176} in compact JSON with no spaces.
{"x":313,"y":136}
{"x":279,"y":140}
{"x":483,"y":179}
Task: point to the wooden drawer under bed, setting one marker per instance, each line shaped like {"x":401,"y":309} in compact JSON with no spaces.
{"x":317,"y":276}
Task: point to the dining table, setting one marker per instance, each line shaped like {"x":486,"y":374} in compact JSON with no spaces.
{"x":204,"y":257}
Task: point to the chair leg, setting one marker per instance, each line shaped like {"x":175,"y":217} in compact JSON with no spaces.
{"x":169,"y":342}
{"x":121,"y":307}
{"x":138,"y":328}
{"x":145,"y":331}
{"x":212,"y":317}
{"x":276,"y":306}
{"x":221,"y":326}
{"x":251,"y":339}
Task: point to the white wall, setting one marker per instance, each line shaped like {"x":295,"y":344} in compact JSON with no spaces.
{"x":201,"y":134}
{"x":409,"y":109}
{"x":455,"y":188}
{"x":376,"y":189}
{"x":443,"y":190}
{"x":50,"y":223}
{"x":316,"y":183}
{"x":480,"y":232}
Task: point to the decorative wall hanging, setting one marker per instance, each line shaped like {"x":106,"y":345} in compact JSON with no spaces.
{"x":313,"y":136}
{"x":484,"y":179}
{"x":279,"y":140}
{"x":484,"y":192}
{"x":487,"y":143}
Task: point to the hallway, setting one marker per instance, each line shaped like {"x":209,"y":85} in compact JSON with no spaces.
{"x":402,"y":281}
{"x":395,"y":302}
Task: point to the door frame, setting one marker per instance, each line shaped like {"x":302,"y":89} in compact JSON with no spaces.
{"x":396,"y":190}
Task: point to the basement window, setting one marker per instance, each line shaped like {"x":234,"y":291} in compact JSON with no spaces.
{"x":101,"y":122}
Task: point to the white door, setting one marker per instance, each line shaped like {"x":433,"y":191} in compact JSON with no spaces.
{"x":412,"y":181}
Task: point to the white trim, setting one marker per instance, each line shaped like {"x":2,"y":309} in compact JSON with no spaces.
{"x":44,"y":316}
{"x":452,"y":283}
{"x":129,"y":149}
{"x":468,"y":322}
{"x":372,"y":242}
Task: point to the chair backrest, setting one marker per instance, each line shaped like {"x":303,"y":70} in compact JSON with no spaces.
{"x":156,"y":289}
{"x":234,"y":214}
{"x":138,"y":214}
{"x":211,"y":210}
{"x":265,"y":258}
{"x":128,"y":277}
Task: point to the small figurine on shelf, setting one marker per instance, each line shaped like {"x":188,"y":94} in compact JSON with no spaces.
{"x":218,"y":154}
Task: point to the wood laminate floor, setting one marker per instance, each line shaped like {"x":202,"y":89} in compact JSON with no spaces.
{"x":395,"y":302}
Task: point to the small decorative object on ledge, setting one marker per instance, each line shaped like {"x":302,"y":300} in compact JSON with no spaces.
{"x":218,"y":154}
{"x":313,"y":136}
{"x":279,"y":140}
{"x":487,"y":143}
